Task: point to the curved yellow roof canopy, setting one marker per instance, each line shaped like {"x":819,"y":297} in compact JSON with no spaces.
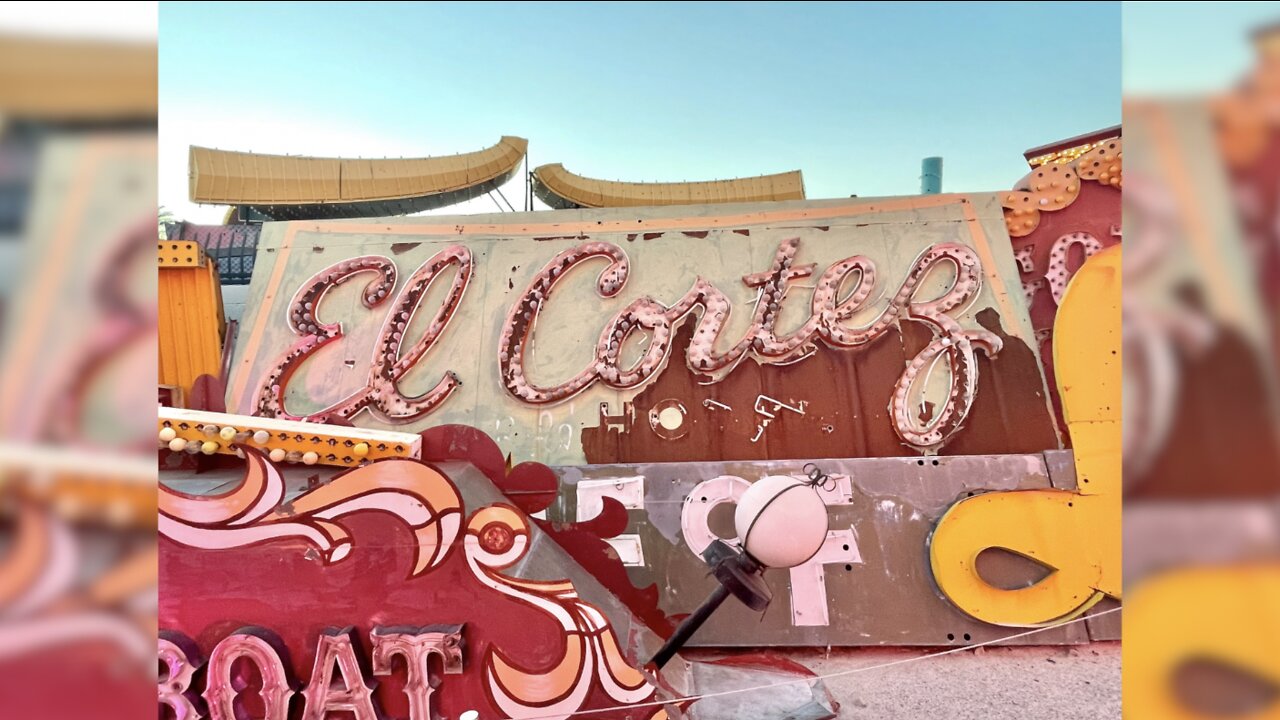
{"x":560,"y":188}
{"x":297,"y":187}
{"x":72,"y":80}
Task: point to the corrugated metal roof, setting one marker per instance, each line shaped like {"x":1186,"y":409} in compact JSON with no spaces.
{"x":242,"y":178}
{"x":77,"y":80}
{"x":560,"y":188}
{"x":190,"y":322}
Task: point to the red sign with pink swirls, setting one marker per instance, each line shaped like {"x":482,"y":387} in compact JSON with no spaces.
{"x":239,"y":557}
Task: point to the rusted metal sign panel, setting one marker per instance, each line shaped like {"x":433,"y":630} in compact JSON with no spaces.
{"x":830,"y":328}
{"x":871,"y":584}
{"x":1076,"y":193}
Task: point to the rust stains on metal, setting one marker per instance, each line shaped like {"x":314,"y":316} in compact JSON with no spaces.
{"x":1242,"y":432}
{"x":1011,"y":414}
{"x":845,"y":412}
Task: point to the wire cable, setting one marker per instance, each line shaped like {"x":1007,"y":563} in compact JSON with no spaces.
{"x":842,"y":673}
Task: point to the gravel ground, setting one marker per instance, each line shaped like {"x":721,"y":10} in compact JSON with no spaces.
{"x":994,"y":683}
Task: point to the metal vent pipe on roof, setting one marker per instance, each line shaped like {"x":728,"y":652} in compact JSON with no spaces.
{"x":931,"y":176}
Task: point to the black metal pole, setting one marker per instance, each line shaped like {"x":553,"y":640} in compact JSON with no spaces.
{"x":689,"y":626}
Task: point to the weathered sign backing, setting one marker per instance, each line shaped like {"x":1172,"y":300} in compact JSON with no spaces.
{"x":838,"y":328}
{"x":870,"y":584}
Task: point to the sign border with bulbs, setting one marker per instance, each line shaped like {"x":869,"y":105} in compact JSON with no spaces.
{"x":283,"y":440}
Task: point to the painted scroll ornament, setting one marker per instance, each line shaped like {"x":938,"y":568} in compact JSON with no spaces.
{"x":498,"y":537}
{"x":254,"y":512}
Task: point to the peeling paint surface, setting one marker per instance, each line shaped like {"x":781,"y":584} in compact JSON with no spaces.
{"x":881,"y":303}
{"x":871,"y":584}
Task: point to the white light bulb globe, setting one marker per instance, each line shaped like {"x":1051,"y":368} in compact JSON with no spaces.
{"x":781,"y":521}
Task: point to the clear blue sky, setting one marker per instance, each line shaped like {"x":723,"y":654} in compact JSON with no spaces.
{"x":854,"y":95}
{"x":1190,"y":48}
